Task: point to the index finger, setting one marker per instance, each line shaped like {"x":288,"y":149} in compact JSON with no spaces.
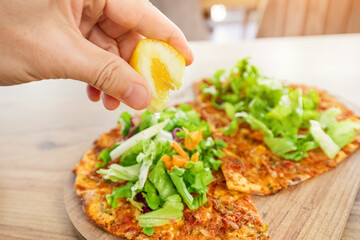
{"x":142,"y":17}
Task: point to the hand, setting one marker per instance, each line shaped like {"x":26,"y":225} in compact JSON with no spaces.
{"x":91,"y":41}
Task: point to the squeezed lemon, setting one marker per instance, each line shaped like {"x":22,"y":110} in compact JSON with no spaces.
{"x":163,"y":68}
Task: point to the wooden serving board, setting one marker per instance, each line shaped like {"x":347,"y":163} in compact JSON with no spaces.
{"x":314,"y":209}
{"x":84,"y":228}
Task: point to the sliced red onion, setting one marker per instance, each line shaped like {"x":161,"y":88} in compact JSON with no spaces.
{"x":175,"y":137}
{"x":146,"y":209}
{"x":140,"y":198}
{"x":135,"y":122}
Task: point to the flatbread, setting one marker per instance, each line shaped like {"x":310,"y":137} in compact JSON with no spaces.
{"x":226,"y":215}
{"x":250,"y":167}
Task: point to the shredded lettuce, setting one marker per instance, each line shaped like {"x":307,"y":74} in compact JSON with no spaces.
{"x":231,"y":128}
{"x":197,"y":177}
{"x":280,"y":146}
{"x":197,"y":184}
{"x":230,"y":110}
{"x":174,"y":201}
{"x":209,"y":150}
{"x":138,"y":205}
{"x":119,"y":192}
{"x":171,"y":211}
{"x":129,"y":157}
{"x":161,"y":180}
{"x":176,"y":177}
{"x":324,"y":140}
{"x":152,"y":188}
{"x":144,"y":170}
{"x":328,"y":118}
{"x":182,"y":134}
{"x":147,"y":120}
{"x":343,"y":132}
{"x":184,"y":116}
{"x":105,"y":156}
{"x":153,"y":152}
{"x":125,"y":121}
{"x":255,"y":123}
{"x":131,"y":142}
{"x":152,"y":198}
{"x":164,"y":136}
{"x":149,"y":231}
{"x":278,"y":111}
{"x":118,"y":173}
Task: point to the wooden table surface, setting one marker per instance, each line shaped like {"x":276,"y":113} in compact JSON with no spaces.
{"x":46,"y":126}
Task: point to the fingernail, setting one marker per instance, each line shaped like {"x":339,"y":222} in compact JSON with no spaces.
{"x":136,"y":96}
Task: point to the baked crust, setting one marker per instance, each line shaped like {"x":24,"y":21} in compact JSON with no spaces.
{"x":226,"y":215}
{"x":250,"y":167}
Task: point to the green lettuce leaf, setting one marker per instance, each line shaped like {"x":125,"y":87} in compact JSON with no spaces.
{"x":164,"y":136}
{"x":343,"y":132}
{"x":129,"y":157}
{"x":197,"y":177}
{"x":161,"y":180}
{"x":119,"y":192}
{"x":178,"y":181}
{"x":136,"y":204}
{"x":255,"y":123}
{"x":147,"y":120}
{"x":144,"y":170}
{"x":324,"y":140}
{"x":231,"y":128}
{"x":177,"y":177}
{"x":149,"y":231}
{"x":328,"y":118}
{"x":182,"y":134}
{"x":216,"y":79}
{"x":209,"y":149}
{"x":135,"y":139}
{"x":280,"y":146}
{"x":174,"y":201}
{"x":118,"y":173}
{"x":169,"y":213}
{"x":105,"y":156}
{"x":213,"y":92}
{"x":152,"y":198}
{"x":310,"y":100}
{"x":154,"y":150}
{"x":125,"y":121}
{"x":267,"y":105}
{"x":199,"y":200}
{"x":185,"y":116}
{"x":230,"y":110}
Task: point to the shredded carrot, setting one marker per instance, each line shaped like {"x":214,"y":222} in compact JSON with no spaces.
{"x":180,"y":161}
{"x":195,"y":157}
{"x":193,"y":140}
{"x":179,"y":149}
{"x":167,"y":160}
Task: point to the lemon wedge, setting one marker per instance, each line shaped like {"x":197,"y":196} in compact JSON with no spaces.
{"x":163,"y":68}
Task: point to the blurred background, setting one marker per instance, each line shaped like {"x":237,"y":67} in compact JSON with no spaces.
{"x":232,"y":20}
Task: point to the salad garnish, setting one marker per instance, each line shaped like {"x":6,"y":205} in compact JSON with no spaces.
{"x":165,"y":163}
{"x":278,"y":111}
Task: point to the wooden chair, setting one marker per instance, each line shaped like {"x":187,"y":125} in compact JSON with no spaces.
{"x":309,"y":17}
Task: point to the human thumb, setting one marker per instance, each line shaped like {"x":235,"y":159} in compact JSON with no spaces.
{"x":110,"y":74}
